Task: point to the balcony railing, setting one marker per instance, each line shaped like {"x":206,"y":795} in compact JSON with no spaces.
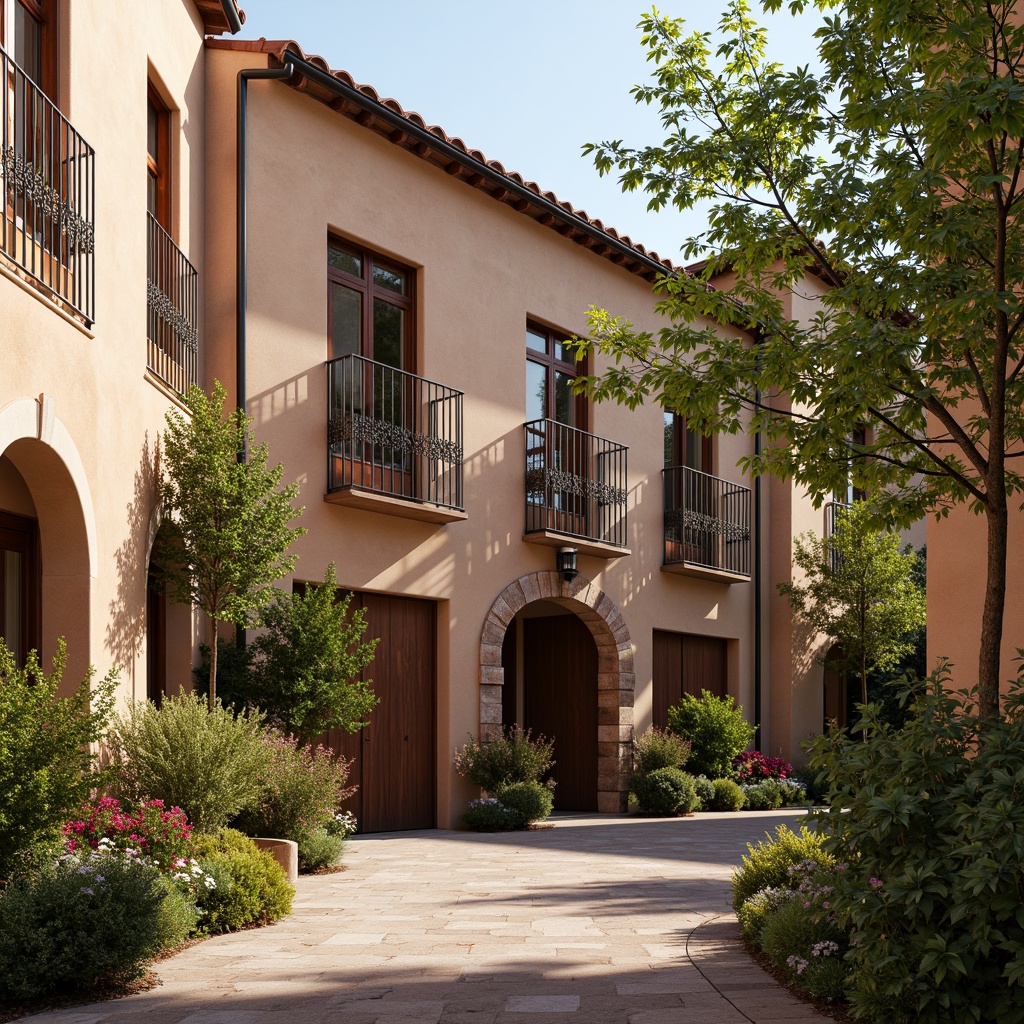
{"x":172,"y":300}
{"x":392,"y":433}
{"x":49,"y":199}
{"x":833,"y":511}
{"x":575,"y":484}
{"x":707,"y":523}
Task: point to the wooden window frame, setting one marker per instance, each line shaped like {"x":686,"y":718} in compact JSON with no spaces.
{"x":370,"y":290}
{"x":47,"y":14}
{"x":158,"y":167}
{"x":551,"y":364}
{"x":680,"y":430}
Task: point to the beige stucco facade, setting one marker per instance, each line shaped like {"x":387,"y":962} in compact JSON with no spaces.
{"x":80,"y":414}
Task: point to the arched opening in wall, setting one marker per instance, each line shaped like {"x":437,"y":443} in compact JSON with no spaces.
{"x":840,"y":693}
{"x":557,"y":657}
{"x":48,"y":587}
{"x":20,"y":572}
{"x":554,"y":694}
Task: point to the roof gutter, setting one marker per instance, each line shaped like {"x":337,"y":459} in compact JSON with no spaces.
{"x":231,"y":16}
{"x":399,"y":123}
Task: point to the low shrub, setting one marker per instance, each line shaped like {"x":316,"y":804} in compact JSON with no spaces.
{"x":716,"y":730}
{"x":488,"y":815}
{"x":665,"y":791}
{"x":656,"y":749}
{"x":209,"y":763}
{"x":527,"y":801}
{"x":319,"y":849}
{"x":705,"y":790}
{"x":765,"y":796}
{"x":515,"y":757}
{"x":302,"y":790}
{"x":794,"y":794}
{"x":753,"y":766}
{"x":157,"y":833}
{"x":814,"y":783}
{"x":251,"y":887}
{"x":47,"y":744}
{"x":808,"y":946}
{"x":87,"y":920}
{"x":931,"y":900}
{"x":755,"y":911}
{"x":726,"y":796}
{"x":768,"y":863}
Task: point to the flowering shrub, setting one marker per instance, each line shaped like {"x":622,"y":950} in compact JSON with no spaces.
{"x":768,"y":863}
{"x":95,"y":915}
{"x":303,"y":788}
{"x":753,"y":766}
{"x":516,"y":757}
{"x":155,"y":832}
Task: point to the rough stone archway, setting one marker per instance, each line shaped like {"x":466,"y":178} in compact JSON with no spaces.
{"x":616,"y":680}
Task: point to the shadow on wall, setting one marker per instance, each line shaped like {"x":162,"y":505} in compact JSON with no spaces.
{"x":126,"y":625}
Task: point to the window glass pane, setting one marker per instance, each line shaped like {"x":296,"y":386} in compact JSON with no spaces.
{"x":536,"y":342}
{"x":670,"y":439}
{"x":28,"y":43}
{"x":390,"y":279}
{"x":151,"y":193}
{"x":565,"y":400}
{"x":12,"y":600}
{"x":563,"y":354}
{"x":152,"y":130}
{"x":339,"y":259}
{"x":536,"y":390}
{"x":694,"y":450}
{"x":388,"y":333}
{"x":346,"y":321}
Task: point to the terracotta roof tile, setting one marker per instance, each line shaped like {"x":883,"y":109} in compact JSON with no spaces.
{"x":568,"y":221}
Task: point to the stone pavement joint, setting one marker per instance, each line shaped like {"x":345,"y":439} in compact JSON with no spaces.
{"x":602,"y":919}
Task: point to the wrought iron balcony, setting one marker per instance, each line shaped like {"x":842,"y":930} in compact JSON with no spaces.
{"x":172,"y":300}
{"x":394,"y":441}
{"x":575,"y":487}
{"x":833,"y":512}
{"x":49,"y":197}
{"x":707,"y":525}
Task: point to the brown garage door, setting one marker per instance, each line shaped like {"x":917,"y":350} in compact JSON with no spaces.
{"x":560,"y":701}
{"x":684,"y":663}
{"x":395,"y":755}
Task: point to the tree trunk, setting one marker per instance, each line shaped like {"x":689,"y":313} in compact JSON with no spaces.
{"x":211,"y":700}
{"x":995,"y":598}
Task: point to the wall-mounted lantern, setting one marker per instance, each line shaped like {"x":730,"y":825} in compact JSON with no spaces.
{"x":567,"y":564}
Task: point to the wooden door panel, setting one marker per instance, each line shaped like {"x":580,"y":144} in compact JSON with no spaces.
{"x":560,"y":701}
{"x":683,"y":663}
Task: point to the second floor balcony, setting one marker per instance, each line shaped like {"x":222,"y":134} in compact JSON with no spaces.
{"x":49,"y":198}
{"x":172,"y":309}
{"x":707,"y":526}
{"x":575,"y":489}
{"x":394,"y":441}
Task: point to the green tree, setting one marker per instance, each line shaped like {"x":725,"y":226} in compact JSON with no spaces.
{"x":306,"y":672}
{"x":226,"y":517}
{"x":860,"y":591}
{"x":893,"y":177}
{"x":48,"y":762}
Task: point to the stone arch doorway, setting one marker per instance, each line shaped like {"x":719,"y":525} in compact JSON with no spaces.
{"x":45,"y":470}
{"x":615,"y":677}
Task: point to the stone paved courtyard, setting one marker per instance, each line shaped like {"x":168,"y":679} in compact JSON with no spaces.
{"x":600,"y":919}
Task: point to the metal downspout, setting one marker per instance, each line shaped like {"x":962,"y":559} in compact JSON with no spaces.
{"x":758,"y":603}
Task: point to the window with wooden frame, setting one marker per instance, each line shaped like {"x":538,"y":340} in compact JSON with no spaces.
{"x":550,"y":371}
{"x":29,"y":33}
{"x":685,"y":447}
{"x":371,"y":306}
{"x":158,"y":159}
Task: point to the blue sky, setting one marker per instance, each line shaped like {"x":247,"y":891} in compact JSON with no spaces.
{"x":527,"y":83}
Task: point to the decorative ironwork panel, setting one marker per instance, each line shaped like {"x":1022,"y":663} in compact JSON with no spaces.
{"x":575,"y":483}
{"x":47,"y":225}
{"x":707,"y":522}
{"x":172,"y":300}
{"x":393,"y":433}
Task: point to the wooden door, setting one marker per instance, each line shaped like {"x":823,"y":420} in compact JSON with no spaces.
{"x":560,"y":701}
{"x":684,"y":663}
{"x":395,"y":754}
{"x":19,"y":585}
